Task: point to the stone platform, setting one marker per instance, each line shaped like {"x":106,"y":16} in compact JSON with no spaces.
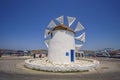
{"x":78,"y":65}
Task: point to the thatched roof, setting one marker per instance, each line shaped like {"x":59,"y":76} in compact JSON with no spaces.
{"x":61,"y":27}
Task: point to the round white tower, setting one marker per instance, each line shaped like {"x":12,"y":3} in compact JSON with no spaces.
{"x":60,"y":41}
{"x":61,"y":45}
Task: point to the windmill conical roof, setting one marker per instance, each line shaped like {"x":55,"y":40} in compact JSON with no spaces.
{"x":61,"y":27}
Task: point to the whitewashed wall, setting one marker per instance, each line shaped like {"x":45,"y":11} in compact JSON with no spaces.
{"x":61,"y":42}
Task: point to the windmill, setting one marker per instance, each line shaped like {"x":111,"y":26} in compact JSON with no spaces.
{"x":60,"y":40}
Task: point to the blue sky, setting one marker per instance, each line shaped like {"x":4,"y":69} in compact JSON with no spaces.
{"x":22,"y":22}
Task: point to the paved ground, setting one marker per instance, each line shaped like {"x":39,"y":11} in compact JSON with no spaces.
{"x":11,"y":68}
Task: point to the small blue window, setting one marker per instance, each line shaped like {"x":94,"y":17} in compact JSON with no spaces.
{"x":67,"y":54}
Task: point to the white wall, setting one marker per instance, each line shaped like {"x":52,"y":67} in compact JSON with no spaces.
{"x":61,"y":42}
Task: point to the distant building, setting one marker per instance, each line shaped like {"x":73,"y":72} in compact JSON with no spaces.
{"x":43,"y":53}
{"x":79,"y":53}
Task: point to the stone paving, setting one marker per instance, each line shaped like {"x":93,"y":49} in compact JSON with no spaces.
{"x":78,"y":65}
{"x":11,"y":68}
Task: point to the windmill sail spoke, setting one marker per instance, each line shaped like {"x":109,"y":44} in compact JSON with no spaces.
{"x":60,"y":19}
{"x":47,"y":43}
{"x":70,"y":20}
{"x":78,"y":46}
{"x":81,"y":37}
{"x":79,"y":27}
{"x":51,"y":24}
{"x":46,"y":33}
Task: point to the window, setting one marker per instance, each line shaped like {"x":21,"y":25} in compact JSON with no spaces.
{"x":51,"y":35}
{"x":67,"y":54}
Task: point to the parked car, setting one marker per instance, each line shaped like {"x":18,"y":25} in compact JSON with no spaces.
{"x":115,"y":56}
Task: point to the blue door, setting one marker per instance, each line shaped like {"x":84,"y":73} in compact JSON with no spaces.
{"x":72,"y":55}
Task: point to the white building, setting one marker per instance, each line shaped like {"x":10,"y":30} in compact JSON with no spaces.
{"x":61,"y":48}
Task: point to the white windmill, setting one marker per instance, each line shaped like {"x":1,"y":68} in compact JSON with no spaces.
{"x":60,"y":40}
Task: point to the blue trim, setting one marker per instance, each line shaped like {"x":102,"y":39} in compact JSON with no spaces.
{"x":72,"y":55}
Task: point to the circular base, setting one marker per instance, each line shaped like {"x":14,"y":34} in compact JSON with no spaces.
{"x":78,"y":65}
